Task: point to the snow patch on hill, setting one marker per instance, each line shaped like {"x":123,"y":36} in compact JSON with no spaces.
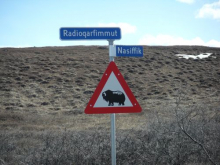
{"x":200,"y":56}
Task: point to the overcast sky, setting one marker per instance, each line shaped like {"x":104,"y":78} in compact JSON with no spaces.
{"x":27,"y":23}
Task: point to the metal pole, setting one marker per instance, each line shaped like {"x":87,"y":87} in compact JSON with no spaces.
{"x":113,"y":136}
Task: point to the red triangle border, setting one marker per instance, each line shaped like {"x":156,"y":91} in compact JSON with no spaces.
{"x":90,"y":109}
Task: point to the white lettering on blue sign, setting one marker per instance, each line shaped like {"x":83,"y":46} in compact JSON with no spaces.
{"x":93,"y":33}
{"x":89,"y":33}
{"x":130,"y":51}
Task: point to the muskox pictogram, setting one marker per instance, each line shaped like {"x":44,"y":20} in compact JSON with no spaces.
{"x":114,"y":97}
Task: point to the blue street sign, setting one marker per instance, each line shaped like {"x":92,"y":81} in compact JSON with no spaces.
{"x":95,"y":33}
{"x":129,"y":51}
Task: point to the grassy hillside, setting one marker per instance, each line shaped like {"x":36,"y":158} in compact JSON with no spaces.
{"x":44,"y":91}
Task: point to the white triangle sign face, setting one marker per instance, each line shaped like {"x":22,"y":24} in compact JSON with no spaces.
{"x":113,"y":87}
{"x":112,"y":95}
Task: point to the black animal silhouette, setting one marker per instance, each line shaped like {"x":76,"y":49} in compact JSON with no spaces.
{"x":114,"y":97}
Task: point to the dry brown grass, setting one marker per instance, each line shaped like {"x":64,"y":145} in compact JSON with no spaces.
{"x":44,"y":91}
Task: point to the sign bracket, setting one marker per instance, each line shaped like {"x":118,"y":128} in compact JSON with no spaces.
{"x":112,"y":50}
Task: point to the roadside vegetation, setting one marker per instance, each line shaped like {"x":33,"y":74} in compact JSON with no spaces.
{"x":190,"y":136}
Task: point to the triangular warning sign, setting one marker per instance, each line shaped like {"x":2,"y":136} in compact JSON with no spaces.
{"x":112,"y":94}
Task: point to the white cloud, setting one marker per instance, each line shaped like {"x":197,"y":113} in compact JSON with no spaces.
{"x":187,"y":1}
{"x":125,"y":27}
{"x":210,"y":10}
{"x":167,"y":40}
{"x":213,"y":43}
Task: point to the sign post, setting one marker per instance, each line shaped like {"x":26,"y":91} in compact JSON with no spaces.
{"x":112,"y":88}
{"x":113,"y":135}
